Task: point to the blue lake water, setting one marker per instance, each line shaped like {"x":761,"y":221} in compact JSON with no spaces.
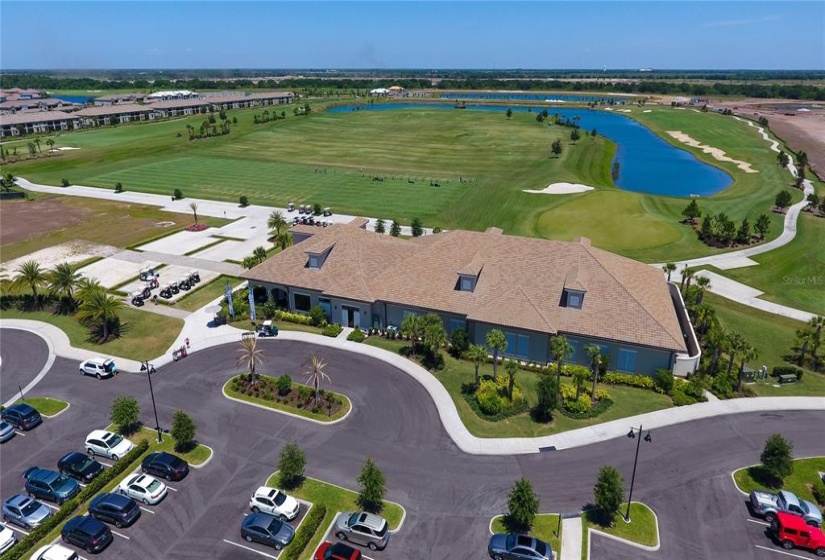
{"x":647,"y":162}
{"x":74,"y":98}
{"x":533,"y":96}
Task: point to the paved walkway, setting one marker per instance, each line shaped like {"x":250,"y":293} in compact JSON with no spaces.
{"x":571,"y":538}
{"x":202,"y":335}
{"x":181,"y":260}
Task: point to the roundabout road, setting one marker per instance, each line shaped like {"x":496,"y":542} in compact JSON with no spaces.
{"x":23,"y":355}
{"x":449,"y":495}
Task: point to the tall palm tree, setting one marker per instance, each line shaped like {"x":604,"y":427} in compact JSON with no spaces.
{"x":496,"y":340}
{"x":746,"y":353}
{"x":717,"y":341}
{"x":703,"y":316}
{"x":805,"y":339}
{"x":100,"y":308}
{"x":595,"y":354}
{"x":276,"y":222}
{"x":249,"y":355}
{"x":284,"y":240}
{"x":703,"y":283}
{"x":194,"y":206}
{"x":478,"y":355}
{"x":687,"y":273}
{"x":260,"y":254}
{"x":32,"y":276}
{"x":668,"y":269}
{"x":561,"y":350}
{"x":413,"y":327}
{"x":86,"y":287}
{"x":62,"y":282}
{"x":315,"y":374}
{"x":818,"y":325}
{"x":736,"y":343}
{"x":50,"y":144}
{"x":37,"y":143}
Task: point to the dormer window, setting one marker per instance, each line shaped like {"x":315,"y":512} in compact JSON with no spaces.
{"x":468,"y":274}
{"x":467,"y":283}
{"x":315,"y":259}
{"x":573,"y":298}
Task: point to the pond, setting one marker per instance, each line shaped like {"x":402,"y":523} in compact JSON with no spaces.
{"x":647,"y":163}
{"x":82,"y":99}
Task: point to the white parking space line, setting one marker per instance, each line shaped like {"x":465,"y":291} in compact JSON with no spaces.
{"x":52,"y":506}
{"x":172,"y":489}
{"x":81,"y":485}
{"x":147,"y":510}
{"x":105,"y":464}
{"x":782,"y":552}
{"x":251,"y":550}
{"x":120,"y":535}
{"x":759,"y":522}
{"x":19,"y":530}
{"x":19,"y":433}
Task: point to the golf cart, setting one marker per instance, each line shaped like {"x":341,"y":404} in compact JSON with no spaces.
{"x":290,"y":207}
{"x":147,"y":273}
{"x":194,"y":277}
{"x":184,"y":283}
{"x":137,"y":298}
{"x":327,"y":212}
{"x":166,"y":292}
{"x":267,"y":329}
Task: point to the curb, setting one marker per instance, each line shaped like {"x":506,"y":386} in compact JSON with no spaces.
{"x":68,"y":405}
{"x":733,"y":472}
{"x":208,"y":459}
{"x":654,"y":548}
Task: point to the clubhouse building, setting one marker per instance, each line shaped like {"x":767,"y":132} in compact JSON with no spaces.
{"x":531,"y":289}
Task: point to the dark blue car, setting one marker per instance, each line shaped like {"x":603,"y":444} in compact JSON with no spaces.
{"x":79,"y":466}
{"x":87,"y":533}
{"x":50,"y":485}
{"x":119,"y":510}
{"x":165,"y":465}
{"x":21,"y":416}
{"x":267,"y":529}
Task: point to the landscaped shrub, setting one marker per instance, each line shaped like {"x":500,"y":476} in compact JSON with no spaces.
{"x":284,"y":384}
{"x":568,"y":392}
{"x":305,"y":533}
{"x":332,"y":330}
{"x":579,"y":406}
{"x":356,"y":336}
{"x":695,"y":388}
{"x":64,"y":182}
{"x":786,"y":370}
{"x":664,"y":380}
{"x":118,"y":187}
{"x":459,"y":342}
{"x":290,"y":317}
{"x":244,"y":200}
{"x":640,"y":381}
{"x":317,"y":316}
{"x":602,"y":394}
{"x":178,"y":194}
{"x":489,"y":401}
{"x":722,"y":386}
{"x":818,"y":492}
{"x":682,"y":399}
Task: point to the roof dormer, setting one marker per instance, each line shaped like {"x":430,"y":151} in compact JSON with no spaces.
{"x":574,"y":289}
{"x":468,"y":275}
{"x":317,"y":257}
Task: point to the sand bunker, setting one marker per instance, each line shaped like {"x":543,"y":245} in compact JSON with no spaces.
{"x":625,"y":111}
{"x":67,"y":148}
{"x":647,"y":111}
{"x":715,"y":152}
{"x":561,"y":188}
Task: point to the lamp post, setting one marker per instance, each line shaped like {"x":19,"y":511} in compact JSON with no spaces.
{"x":150,"y":369}
{"x":632,"y":435}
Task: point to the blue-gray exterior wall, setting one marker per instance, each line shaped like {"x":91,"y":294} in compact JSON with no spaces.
{"x":394,"y":315}
{"x":648,"y":360}
{"x":538,"y":344}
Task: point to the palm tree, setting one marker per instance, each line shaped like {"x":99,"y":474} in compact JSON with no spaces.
{"x":411,"y":327}
{"x":746,"y":353}
{"x":316,"y":374}
{"x":100,"y":308}
{"x":498,"y":343}
{"x":86,"y":287}
{"x":595,"y":354}
{"x":434,"y":335}
{"x":259,"y":254}
{"x":736,"y":343}
{"x":276,"y":222}
{"x":37,"y":143}
{"x":31,"y":275}
{"x":284,"y":240}
{"x":805,"y":338}
{"x":50,"y":144}
{"x":62,"y":282}
{"x":668,"y":269}
{"x":561,"y":350}
{"x":686,"y":274}
{"x":249,"y":355}
{"x":703,"y":315}
{"x":703,"y":283}
{"x":194,"y":206}
{"x":717,"y":341}
{"x":478,"y":355}
{"x":817,"y":324}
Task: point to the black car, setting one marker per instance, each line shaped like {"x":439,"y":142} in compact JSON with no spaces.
{"x":79,"y":466}
{"x":165,"y":465}
{"x":267,"y":529}
{"x":117,"y":509}
{"x":87,"y":533}
{"x":21,"y":416}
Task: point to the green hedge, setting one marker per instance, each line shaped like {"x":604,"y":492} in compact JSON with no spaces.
{"x":356,"y":336}
{"x":631,"y":380}
{"x":68,"y":508}
{"x":332,"y":330}
{"x":603,"y":405}
{"x":305,"y":533}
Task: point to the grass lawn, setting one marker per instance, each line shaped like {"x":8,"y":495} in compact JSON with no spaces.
{"x":282,"y":326}
{"x":773,"y":337}
{"x":481,"y":159}
{"x":641,"y":529}
{"x":196,"y":456}
{"x":227,"y":388}
{"x":46,"y":406}
{"x":206,"y":293}
{"x":544,"y":528}
{"x":805,"y":471}
{"x":793,"y":275}
{"x":336,"y":499}
{"x":126,"y":224}
{"x":627,"y":401}
{"x":155,"y":332}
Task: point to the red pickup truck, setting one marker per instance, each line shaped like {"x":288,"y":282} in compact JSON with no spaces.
{"x":793,"y":532}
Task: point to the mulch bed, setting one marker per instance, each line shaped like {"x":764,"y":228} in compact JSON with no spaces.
{"x":299,"y":396}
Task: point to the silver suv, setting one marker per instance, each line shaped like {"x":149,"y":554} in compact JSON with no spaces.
{"x":363,"y":528}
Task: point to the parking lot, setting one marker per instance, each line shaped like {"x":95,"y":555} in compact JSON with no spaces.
{"x":234,"y":539}
{"x":368,"y":554}
{"x":764,"y":544}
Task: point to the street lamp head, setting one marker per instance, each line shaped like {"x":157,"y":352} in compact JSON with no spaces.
{"x":142,"y":366}
{"x":648,"y":438}
{"x":631,"y":434}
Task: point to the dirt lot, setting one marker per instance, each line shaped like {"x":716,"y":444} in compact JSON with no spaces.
{"x":802,"y":130}
{"x":22,"y":219}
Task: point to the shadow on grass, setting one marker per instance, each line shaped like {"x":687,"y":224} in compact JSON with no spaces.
{"x":290,"y":483}
{"x":186,"y":446}
{"x":513,"y":526}
{"x":130,"y":429}
{"x":596,"y":516}
{"x":761,"y":476}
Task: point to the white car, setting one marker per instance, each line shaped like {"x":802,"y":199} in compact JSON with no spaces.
{"x":143,"y":488}
{"x":275,"y":502}
{"x":99,"y":367}
{"x":55,"y":552}
{"x":108,"y":444}
{"x":7,"y":538}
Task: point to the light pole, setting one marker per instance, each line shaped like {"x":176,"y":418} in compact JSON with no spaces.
{"x":150,"y":369}
{"x":632,"y":435}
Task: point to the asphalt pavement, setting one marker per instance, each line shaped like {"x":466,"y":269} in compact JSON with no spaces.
{"x":684,"y":473}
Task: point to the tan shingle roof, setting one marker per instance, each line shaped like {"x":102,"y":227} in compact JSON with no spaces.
{"x":35,"y":117}
{"x":520,"y":284}
{"x":120,"y":109}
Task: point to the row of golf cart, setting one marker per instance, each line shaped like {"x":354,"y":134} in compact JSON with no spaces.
{"x":151,"y":277}
{"x":310,"y":221}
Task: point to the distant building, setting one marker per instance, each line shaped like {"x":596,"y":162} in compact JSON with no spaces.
{"x":19,"y":124}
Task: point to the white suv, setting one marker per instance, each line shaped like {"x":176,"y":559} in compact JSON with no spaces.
{"x":275,"y":502}
{"x":99,"y":367}
{"x":107,"y":444}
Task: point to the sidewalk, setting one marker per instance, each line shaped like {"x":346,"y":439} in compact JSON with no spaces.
{"x":202,"y":336}
{"x":571,"y":538}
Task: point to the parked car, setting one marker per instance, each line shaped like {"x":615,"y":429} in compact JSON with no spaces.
{"x":165,"y":465}
{"x":337,"y":551}
{"x":7,"y":538}
{"x":107,"y":444}
{"x":274,"y":502}
{"x":25,"y":511}
{"x":54,"y":552}
{"x":50,"y":485}
{"x":267,"y":529}
{"x":363,"y":528}
{"x":87,"y":533}
{"x":768,"y":505}
{"x":99,"y":367}
{"x":792,"y":532}
{"x":6,"y":431}
{"x":517,"y":547}
{"x":119,"y":510}
{"x":79,"y":466}
{"x":21,"y":416}
{"x":143,"y":488}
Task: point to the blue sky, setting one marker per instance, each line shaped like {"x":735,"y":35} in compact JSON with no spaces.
{"x":663,"y":34}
